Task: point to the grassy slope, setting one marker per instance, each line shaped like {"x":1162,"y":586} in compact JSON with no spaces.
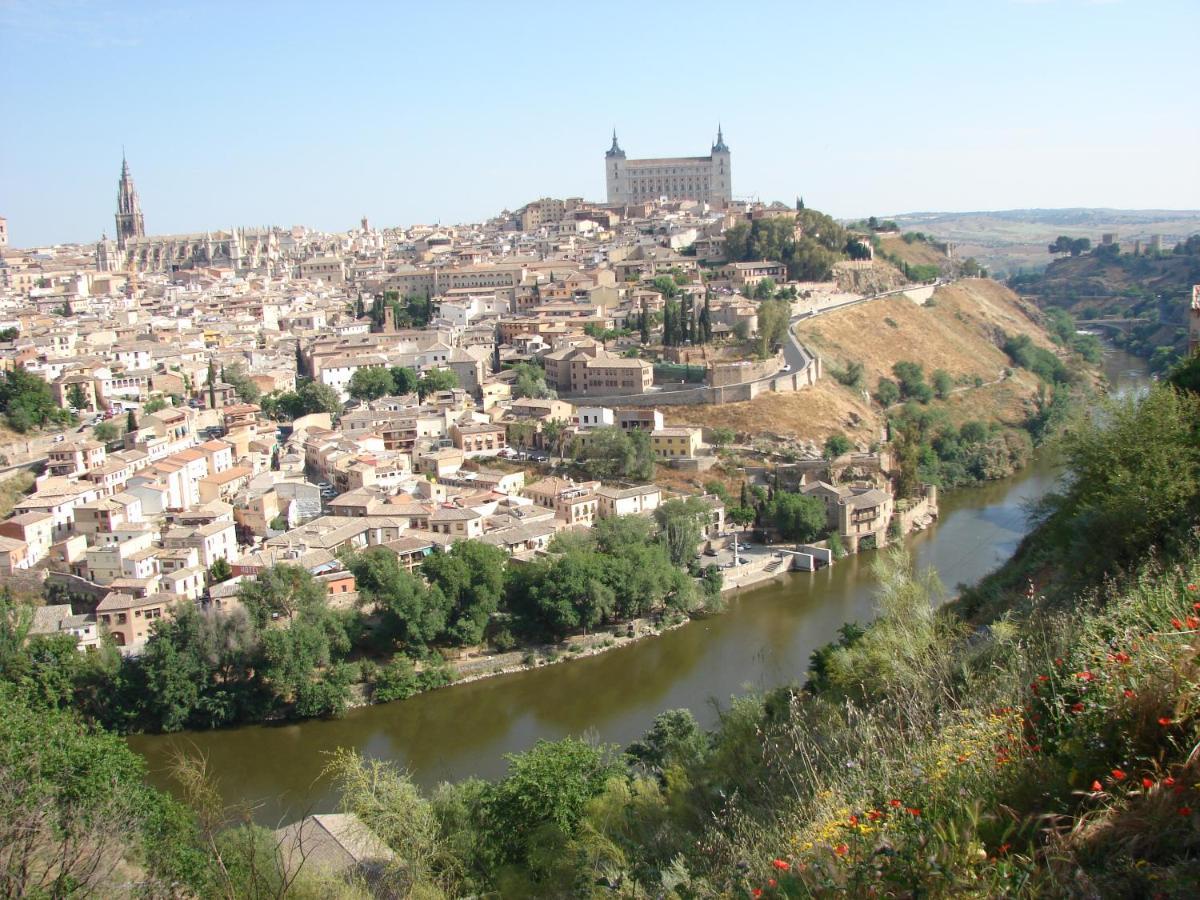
{"x":918,"y":253}
{"x":960,"y":333}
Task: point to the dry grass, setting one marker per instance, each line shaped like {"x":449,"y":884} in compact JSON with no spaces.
{"x":915,"y":254}
{"x":960,"y":333}
{"x":12,"y":489}
{"x":812,"y":415}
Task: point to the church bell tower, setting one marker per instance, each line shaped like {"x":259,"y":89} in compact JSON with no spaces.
{"x":130,"y":223}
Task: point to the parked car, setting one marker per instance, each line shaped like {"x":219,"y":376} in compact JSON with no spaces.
{"x":59,"y":438}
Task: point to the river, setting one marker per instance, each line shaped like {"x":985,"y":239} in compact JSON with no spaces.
{"x":763,"y":640}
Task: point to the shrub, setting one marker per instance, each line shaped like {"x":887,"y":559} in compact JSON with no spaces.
{"x":396,"y":681}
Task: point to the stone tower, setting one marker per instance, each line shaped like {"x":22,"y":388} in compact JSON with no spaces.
{"x":614,"y":170}
{"x":722,"y":172}
{"x":130,"y":223}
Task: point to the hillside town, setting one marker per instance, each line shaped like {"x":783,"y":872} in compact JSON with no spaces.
{"x":227,"y":401}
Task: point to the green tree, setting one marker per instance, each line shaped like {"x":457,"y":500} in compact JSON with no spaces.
{"x":547,"y":789}
{"x":28,"y":402}
{"x":720,"y":437}
{"x":531,"y":382}
{"x":131,"y":422}
{"x":282,"y":591}
{"x":243,"y":385}
{"x":887,"y":392}
{"x":674,"y":739}
{"x":471,"y":578}
{"x":75,"y":808}
{"x":371,"y":383}
{"x":107,"y":431}
{"x":837,"y":445}
{"x":796,"y":517}
{"x":436,"y":380}
{"x":680,"y":524}
{"x":77,"y":397}
{"x":314,"y":397}
{"x":220,"y":570}
{"x":413,"y":614}
{"x":404,"y":380}
{"x":943,"y":384}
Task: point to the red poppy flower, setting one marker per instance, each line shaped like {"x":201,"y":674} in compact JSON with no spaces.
{"x":757,"y":892}
{"x":1121,"y":657}
{"x":1085,"y":676}
{"x":841,"y":849}
{"x":781,"y":864}
{"x":1034,"y":688}
{"x":895,"y":803}
{"x":853,"y":821}
{"x":1003,"y":849}
{"x":1147,"y":783}
{"x":1118,"y":774}
{"x":1058,"y":661}
{"x":1128,"y":694}
{"x":1196,"y":606}
{"x":1185,"y":810}
{"x":1193,"y":623}
{"x":1076,"y":707}
{"x":1192,"y":587}
{"x":913,"y":811}
{"x":1169,"y":781}
{"x":1097,"y":787}
{"x":1177,"y":624}
{"x":874,"y":815}
{"x":771,"y":882}
{"x":1164,"y":721}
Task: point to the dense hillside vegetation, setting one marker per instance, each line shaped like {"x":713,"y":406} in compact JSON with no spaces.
{"x":1107,"y":282}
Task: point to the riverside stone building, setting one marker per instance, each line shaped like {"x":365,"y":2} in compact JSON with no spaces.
{"x":707,"y":179}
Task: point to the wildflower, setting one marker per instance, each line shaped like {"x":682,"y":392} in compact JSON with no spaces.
{"x":1147,"y":783}
{"x":1192,"y":587}
{"x":1164,"y":721}
{"x":757,"y":892}
{"x":1196,"y":606}
{"x":841,"y":849}
{"x":853,"y":821}
{"x":1122,"y":658}
{"x":1169,"y":781}
{"x":874,"y":815}
{"x":895,"y":803}
{"x":1193,"y":623}
{"x":1003,"y":849}
{"x":771,"y":882}
{"x":1085,"y":676}
{"x":1097,"y":787}
{"x":1058,"y":661}
{"x":913,"y":811}
{"x":1177,"y":624}
{"x":962,"y":759}
{"x":1118,"y":774}
{"x":1076,"y":707}
{"x":1128,"y":694}
{"x":1185,"y":810}
{"x":1034,"y":688}
{"x":1043,"y":678}
{"x":782,"y":865}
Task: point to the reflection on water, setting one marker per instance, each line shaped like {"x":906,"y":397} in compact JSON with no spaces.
{"x":764,"y":640}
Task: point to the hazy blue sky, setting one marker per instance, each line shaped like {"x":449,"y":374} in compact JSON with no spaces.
{"x":319,"y":112}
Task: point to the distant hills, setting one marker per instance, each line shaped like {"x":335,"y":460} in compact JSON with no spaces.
{"x":1012,"y":240}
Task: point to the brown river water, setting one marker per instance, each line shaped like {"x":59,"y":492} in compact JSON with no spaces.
{"x":763,"y":640}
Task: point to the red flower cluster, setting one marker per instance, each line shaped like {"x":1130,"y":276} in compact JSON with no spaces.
{"x":781,"y":864}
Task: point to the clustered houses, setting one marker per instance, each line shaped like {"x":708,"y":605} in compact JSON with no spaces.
{"x":181,"y":335}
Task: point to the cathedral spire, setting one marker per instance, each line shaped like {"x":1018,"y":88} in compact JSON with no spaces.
{"x":130,"y":222}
